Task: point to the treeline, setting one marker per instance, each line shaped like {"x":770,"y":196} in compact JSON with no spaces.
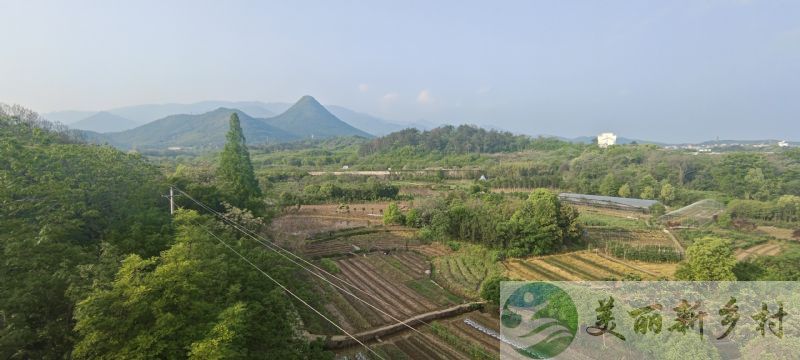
{"x":369,"y":191}
{"x":784,"y":209}
{"x":303,"y":190}
{"x":449,"y":140}
{"x":676,"y":177}
{"x":539,"y":225}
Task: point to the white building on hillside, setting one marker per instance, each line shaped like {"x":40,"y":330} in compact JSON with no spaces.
{"x":607,"y":139}
{"x":783,"y":143}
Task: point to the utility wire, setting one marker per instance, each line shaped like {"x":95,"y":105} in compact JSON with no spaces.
{"x":270,"y":245}
{"x":286,"y":289}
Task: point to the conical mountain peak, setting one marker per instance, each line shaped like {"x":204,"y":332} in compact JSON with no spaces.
{"x":309,"y":119}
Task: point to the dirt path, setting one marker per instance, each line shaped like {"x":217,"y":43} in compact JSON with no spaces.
{"x":675,"y":240}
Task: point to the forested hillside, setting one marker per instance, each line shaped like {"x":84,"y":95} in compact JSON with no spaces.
{"x":94,"y":266}
{"x":450,"y":140}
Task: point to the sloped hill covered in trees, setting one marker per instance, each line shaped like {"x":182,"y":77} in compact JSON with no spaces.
{"x":94,"y":266}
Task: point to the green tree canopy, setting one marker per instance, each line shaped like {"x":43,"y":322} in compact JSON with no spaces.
{"x":197,"y":298}
{"x":393,"y":215}
{"x":708,"y":259}
{"x":542,"y":224}
{"x":235,"y":172}
{"x":625,"y":190}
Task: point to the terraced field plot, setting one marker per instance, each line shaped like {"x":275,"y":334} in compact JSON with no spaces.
{"x":619,"y":217}
{"x":372,"y":210}
{"x":304,"y":226}
{"x":464,"y":271}
{"x":599,"y":236}
{"x":765,"y":249}
{"x":395,"y":284}
{"x":432,"y":250}
{"x":635,"y":244}
{"x":778,"y":233}
{"x":382,"y":240}
{"x":581,"y":265}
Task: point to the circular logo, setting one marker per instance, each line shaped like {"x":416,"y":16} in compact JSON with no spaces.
{"x":539,"y":320}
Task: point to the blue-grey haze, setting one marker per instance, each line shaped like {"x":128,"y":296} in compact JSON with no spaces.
{"x":670,"y":71}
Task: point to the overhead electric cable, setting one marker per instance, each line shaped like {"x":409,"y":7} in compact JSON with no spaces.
{"x":270,"y":245}
{"x":287,"y":290}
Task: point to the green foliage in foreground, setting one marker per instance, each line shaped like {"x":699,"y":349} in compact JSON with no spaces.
{"x":80,"y":237}
{"x":197,"y":298}
{"x":68,"y":211}
{"x":708,"y":259}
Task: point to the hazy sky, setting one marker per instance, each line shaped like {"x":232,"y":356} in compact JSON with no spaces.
{"x":660,"y":70}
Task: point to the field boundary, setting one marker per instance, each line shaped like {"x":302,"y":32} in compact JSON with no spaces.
{"x":343,"y":341}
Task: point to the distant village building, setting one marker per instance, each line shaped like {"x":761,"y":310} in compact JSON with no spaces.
{"x":345,"y":167}
{"x":175,"y":148}
{"x":607,"y":139}
{"x":483,"y":178}
{"x":783,"y":143}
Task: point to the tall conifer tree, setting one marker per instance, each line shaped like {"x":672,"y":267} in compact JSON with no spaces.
{"x":235,"y":170}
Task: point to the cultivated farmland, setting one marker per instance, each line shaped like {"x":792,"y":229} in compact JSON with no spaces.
{"x":463,"y":271}
{"x":768,"y":248}
{"x":580,"y":265}
{"x":383,"y":240}
{"x":395,"y":284}
{"x":452,"y":338}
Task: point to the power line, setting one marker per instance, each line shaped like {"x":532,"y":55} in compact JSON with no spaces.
{"x":286,"y":289}
{"x":270,"y":244}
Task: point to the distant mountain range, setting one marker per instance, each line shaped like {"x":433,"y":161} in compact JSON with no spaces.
{"x":130,"y":117}
{"x":204,"y":124}
{"x":104,"y":122}
{"x":305,"y":119}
